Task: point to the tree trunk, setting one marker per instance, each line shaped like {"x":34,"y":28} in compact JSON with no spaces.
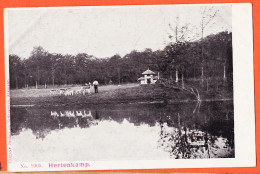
{"x":38,"y":75}
{"x":36,"y":85}
{"x":179,"y":120}
{"x":194,"y":71}
{"x":224,"y":75}
{"x":202,"y":53}
{"x":53,"y":76}
{"x":118,"y":71}
{"x":177,"y":79}
{"x":25,"y":79}
{"x":194,"y":64}
{"x":66,"y":78}
{"x":207,"y":85}
{"x":16,"y":84}
{"x":202,"y":74}
{"x":53,"y":81}
{"x":182,"y":82}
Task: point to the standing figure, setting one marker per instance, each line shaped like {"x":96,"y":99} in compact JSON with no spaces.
{"x":95,"y":83}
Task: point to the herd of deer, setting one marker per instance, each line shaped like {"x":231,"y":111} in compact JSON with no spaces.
{"x":68,"y":91}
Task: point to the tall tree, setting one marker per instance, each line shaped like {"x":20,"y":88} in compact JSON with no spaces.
{"x":38,"y":57}
{"x":208,"y":15}
{"x":16,"y":70}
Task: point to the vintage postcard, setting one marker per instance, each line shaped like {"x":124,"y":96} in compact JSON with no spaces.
{"x":129,"y":87}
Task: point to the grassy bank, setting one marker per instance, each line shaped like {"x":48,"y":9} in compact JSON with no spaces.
{"x":107,"y":94}
{"x":164,"y":91}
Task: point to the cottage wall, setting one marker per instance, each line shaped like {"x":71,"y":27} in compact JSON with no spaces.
{"x":143,"y":82}
{"x":148,"y":77}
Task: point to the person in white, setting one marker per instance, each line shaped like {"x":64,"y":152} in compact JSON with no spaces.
{"x":95,"y":83}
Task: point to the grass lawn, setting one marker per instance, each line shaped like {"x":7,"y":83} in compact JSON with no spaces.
{"x":45,"y":92}
{"x":107,"y":94}
{"x":125,"y":93}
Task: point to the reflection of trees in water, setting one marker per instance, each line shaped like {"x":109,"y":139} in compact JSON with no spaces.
{"x":42,"y":121}
{"x":215,"y":118}
{"x":184,"y":143}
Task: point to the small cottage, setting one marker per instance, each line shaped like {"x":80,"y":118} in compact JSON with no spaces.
{"x":148,"y":77}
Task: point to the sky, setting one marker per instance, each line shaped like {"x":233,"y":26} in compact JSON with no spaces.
{"x":108,"y":30}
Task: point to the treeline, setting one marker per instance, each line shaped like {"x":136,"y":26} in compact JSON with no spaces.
{"x":210,"y":57}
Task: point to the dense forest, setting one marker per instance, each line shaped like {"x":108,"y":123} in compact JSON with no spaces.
{"x":204,"y":59}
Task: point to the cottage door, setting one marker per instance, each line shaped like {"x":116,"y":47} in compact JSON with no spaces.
{"x":148,"y":81}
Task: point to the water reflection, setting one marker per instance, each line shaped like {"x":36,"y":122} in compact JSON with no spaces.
{"x":72,"y":113}
{"x":178,"y":130}
{"x":185,"y":143}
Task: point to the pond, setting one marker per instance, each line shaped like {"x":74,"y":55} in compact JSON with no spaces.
{"x":123,"y":132}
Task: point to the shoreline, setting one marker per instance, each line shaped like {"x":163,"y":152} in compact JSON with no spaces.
{"x":138,"y":102}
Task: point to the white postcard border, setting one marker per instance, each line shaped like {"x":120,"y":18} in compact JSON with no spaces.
{"x":244,"y":114}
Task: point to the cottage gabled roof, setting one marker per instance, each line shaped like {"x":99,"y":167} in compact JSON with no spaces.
{"x":148,"y":72}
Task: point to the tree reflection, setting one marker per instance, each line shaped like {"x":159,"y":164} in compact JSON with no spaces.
{"x":187,"y":130}
{"x":184,"y":143}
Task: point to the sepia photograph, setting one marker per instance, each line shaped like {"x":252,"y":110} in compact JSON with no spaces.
{"x":120,"y":83}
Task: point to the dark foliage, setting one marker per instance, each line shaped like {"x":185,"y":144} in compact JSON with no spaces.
{"x":185,"y":58}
